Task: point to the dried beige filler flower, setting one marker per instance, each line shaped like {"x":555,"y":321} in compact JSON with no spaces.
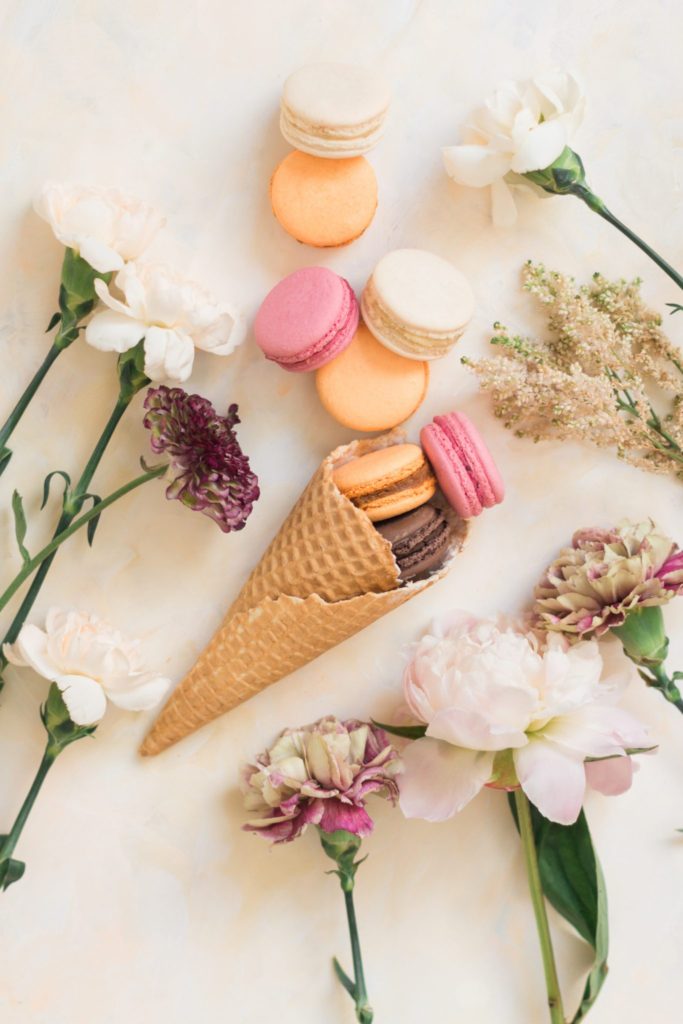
{"x":597,"y":377}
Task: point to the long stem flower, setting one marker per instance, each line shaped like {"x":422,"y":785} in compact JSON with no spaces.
{"x":321,"y":775}
{"x":131,"y":380}
{"x":88,"y":663}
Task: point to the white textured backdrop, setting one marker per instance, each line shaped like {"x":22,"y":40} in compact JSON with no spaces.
{"x":142,"y":900}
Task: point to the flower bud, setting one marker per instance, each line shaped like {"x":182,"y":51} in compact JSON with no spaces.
{"x":643,"y":636}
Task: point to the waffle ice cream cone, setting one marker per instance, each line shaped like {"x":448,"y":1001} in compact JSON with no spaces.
{"x":327,"y":574}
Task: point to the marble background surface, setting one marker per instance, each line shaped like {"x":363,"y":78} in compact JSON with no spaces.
{"x":142,"y":899}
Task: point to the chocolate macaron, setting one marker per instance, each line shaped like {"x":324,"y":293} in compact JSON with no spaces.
{"x":419,"y":541}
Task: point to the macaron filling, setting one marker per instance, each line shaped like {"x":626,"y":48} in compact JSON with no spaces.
{"x":421,"y":476}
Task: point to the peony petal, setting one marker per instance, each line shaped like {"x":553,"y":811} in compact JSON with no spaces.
{"x":554,"y":779}
{"x":610,"y":777}
{"x":475,"y":166}
{"x":84,"y":698}
{"x":114,"y":332}
{"x":140,"y":698}
{"x":473,"y":731}
{"x":503,"y":206}
{"x":169,"y":355}
{"x":537,"y":148}
{"x":31,"y":651}
{"x":439,"y":780}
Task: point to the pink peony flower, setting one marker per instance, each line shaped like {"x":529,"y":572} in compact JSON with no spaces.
{"x":320,"y":774}
{"x":502,"y":711}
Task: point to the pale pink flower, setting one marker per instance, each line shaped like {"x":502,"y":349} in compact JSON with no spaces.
{"x":497,"y":705}
{"x":320,"y":774}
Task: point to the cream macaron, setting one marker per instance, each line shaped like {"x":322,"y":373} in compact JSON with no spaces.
{"x":333,"y":110}
{"x":417,"y":304}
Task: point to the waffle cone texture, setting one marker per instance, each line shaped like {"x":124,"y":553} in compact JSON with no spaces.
{"x":327,"y":574}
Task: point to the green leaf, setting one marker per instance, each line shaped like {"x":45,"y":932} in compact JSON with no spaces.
{"x":573,"y":883}
{"x":344,"y":978}
{"x":48,"y":480}
{"x":93,"y":524}
{"x":10,"y":870}
{"x":409,"y":732}
{"x":54,"y":320}
{"x":5,"y":456}
{"x":20,"y":526}
{"x":675,"y":307}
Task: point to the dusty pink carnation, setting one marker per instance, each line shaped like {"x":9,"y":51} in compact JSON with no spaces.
{"x":320,"y":774}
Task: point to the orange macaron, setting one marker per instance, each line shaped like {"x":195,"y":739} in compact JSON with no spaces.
{"x":323,"y":202}
{"x":368,"y":387}
{"x":387,"y":482}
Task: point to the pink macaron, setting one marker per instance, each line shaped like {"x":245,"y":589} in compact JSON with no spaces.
{"x":307,"y":319}
{"x":462,"y":463}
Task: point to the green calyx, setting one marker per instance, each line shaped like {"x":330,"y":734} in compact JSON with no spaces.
{"x":60,"y":728}
{"x":342,"y":847}
{"x":77,"y":296}
{"x":131,"y":371}
{"x":643,"y":636}
{"x":566,"y":176}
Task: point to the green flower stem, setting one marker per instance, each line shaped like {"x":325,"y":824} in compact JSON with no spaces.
{"x":364,"y":1012}
{"x":657,"y":677}
{"x":52,"y":751}
{"x":131,"y":381}
{"x":531,"y":860}
{"x":12,"y":420}
{"x":597,"y":205}
{"x":48,"y":551}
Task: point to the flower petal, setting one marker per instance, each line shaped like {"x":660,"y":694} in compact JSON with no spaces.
{"x":100,"y":256}
{"x":538,"y":147}
{"x":84,"y":698}
{"x":169,"y":354}
{"x":475,"y":166}
{"x":439,"y":780}
{"x":473,"y":731}
{"x":612,"y":776}
{"x":142,"y":696}
{"x":114,"y":332}
{"x":31,"y":651}
{"x":554,"y":779}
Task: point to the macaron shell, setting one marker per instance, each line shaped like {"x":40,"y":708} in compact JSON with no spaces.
{"x":369,"y":388}
{"x":307,"y":319}
{"x":419,"y":541}
{"x":324,"y":203}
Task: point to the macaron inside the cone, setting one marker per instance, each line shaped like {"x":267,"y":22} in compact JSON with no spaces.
{"x":419,"y":540}
{"x":387,"y":482}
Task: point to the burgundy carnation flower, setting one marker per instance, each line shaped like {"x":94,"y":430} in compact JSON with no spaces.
{"x":212,"y":473}
{"x":320,"y":775}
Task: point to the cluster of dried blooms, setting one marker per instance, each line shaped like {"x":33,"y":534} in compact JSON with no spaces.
{"x":594,"y":377}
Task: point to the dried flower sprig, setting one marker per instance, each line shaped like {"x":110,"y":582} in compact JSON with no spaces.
{"x":321,"y":775}
{"x":590,"y":380}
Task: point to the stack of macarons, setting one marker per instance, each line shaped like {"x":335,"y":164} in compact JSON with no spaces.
{"x":373,"y":375}
{"x":324,"y":193}
{"x":406,"y":490}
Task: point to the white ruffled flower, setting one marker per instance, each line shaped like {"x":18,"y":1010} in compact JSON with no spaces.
{"x":90,"y":662}
{"x":105,"y":226}
{"x":172,"y":315}
{"x":523,"y":127}
{"x":488,"y":693}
